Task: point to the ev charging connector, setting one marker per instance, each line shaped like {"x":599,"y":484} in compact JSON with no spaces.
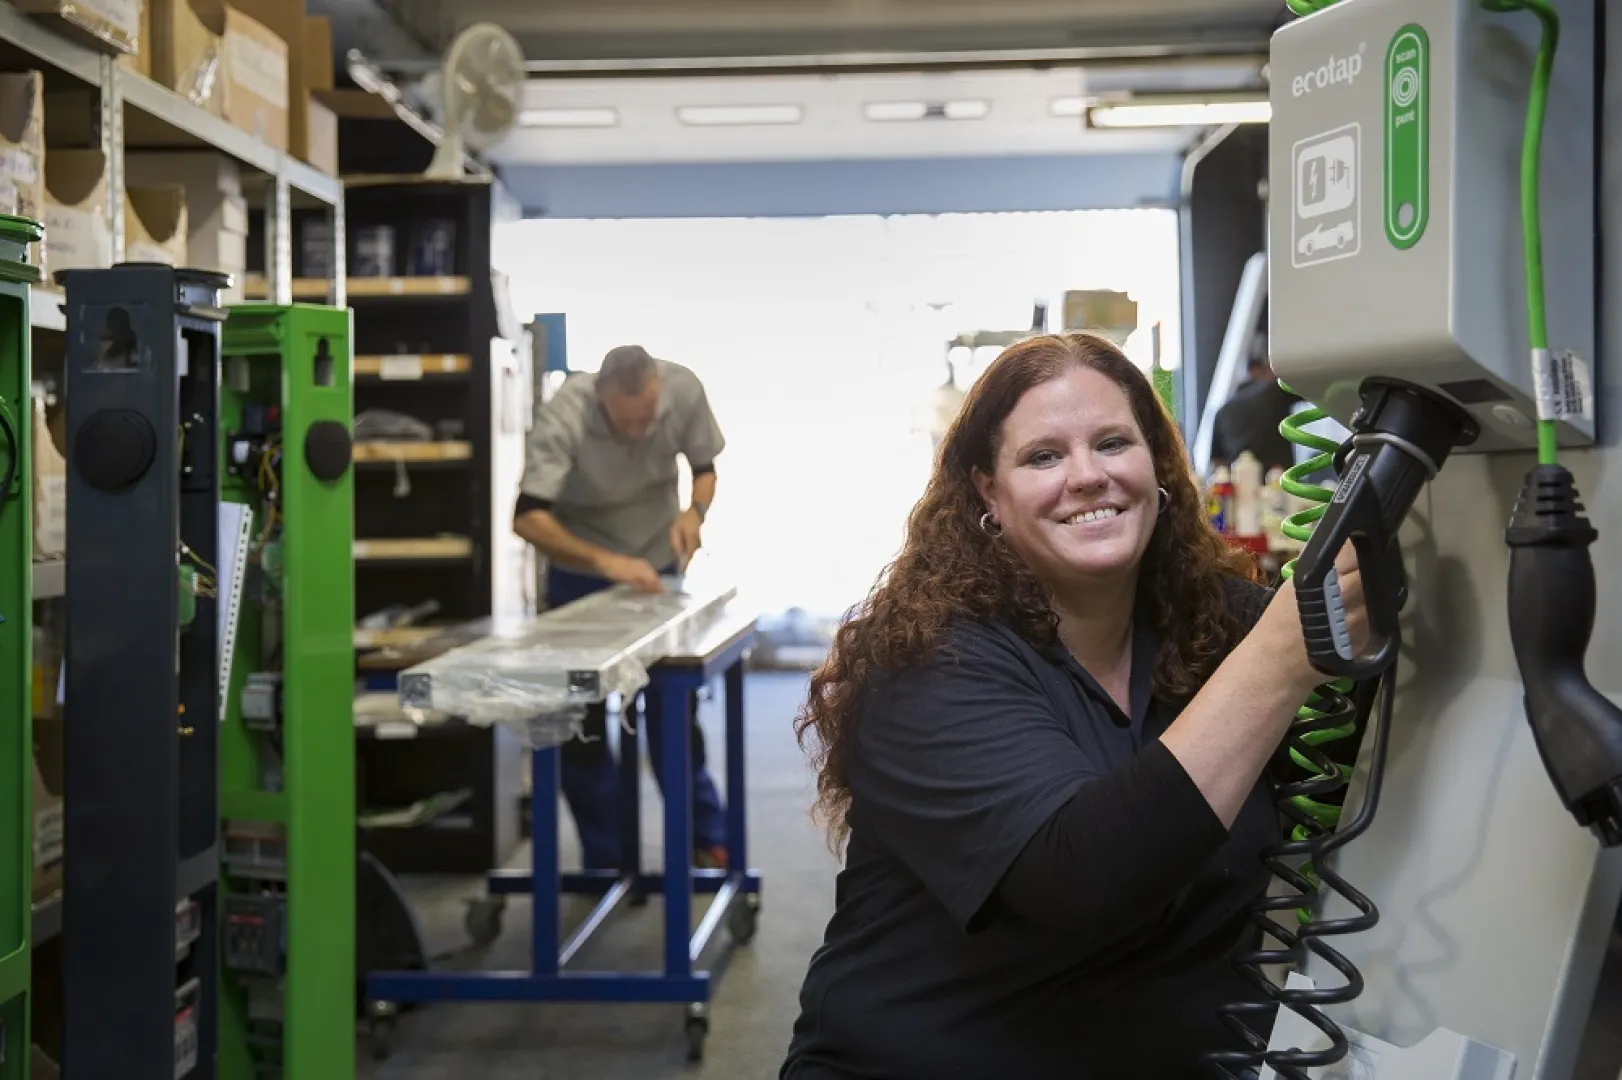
{"x":1401,"y":437}
{"x":1551,"y":617}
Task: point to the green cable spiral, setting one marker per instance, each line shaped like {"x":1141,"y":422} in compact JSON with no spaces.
{"x":1299,"y":527}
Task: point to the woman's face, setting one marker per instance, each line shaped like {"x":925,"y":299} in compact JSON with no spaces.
{"x":1073,"y":486}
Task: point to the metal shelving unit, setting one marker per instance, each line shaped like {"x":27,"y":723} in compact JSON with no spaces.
{"x":50,"y":579}
{"x":132,"y":110}
{"x":164,"y":119}
{"x":45,"y":309}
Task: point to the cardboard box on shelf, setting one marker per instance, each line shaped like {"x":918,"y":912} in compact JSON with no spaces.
{"x":50,"y":490}
{"x":318,"y":55}
{"x":1112,"y":314}
{"x":110,"y":26}
{"x":77,"y":231}
{"x":47,"y":805}
{"x":22,"y":145}
{"x":221,"y":244}
{"x":309,"y":68}
{"x":320,"y":146}
{"x":217,"y":214}
{"x":218,"y":56}
{"x":257,"y":84}
{"x":140,"y":61}
{"x":205,"y":174}
{"x":155,"y":224}
{"x":185,"y":53}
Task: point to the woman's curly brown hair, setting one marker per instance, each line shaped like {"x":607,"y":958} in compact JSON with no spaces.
{"x":950,"y":568}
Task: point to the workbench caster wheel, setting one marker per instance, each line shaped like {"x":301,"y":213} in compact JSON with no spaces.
{"x":744,"y":919}
{"x":698,"y":1029}
{"x":380,"y":1024}
{"x":483,"y":919}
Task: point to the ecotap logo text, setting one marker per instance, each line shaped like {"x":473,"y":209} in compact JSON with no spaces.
{"x":1332,"y":72}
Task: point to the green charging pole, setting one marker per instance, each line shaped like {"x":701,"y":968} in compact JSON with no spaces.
{"x":16,"y":643}
{"x":287,"y":749}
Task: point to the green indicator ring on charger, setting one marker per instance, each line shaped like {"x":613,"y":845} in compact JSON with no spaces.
{"x":16,"y":233}
{"x":1407,"y":136}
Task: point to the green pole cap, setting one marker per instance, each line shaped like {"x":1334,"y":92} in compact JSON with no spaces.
{"x":16,"y":233}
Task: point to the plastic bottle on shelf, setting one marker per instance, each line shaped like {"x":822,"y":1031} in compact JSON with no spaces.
{"x":1274,"y":508}
{"x":1247,"y":495}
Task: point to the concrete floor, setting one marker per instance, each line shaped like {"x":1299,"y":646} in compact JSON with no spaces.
{"x":757,"y":999}
{"x":756,"y":1003}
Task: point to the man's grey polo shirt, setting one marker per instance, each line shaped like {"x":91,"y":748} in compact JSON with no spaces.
{"x":614,"y":492}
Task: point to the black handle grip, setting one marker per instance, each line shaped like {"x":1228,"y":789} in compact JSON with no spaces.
{"x":1355,"y":515}
{"x":1551,"y":619}
{"x":1403,"y":435}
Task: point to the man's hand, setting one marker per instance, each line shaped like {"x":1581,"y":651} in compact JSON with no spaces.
{"x":685,"y":537}
{"x":637,"y":573}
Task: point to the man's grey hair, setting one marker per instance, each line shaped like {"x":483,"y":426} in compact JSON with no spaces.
{"x":626,"y":370}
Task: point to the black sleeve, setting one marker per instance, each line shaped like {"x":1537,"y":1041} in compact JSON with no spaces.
{"x":527,"y":502}
{"x":1247,"y":600}
{"x":1122,"y":851}
{"x":1220,"y":448}
{"x":1118,"y":853}
{"x":959,"y":762}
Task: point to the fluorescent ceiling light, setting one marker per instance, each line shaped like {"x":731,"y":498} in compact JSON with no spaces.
{"x":1069,"y":107}
{"x":967,"y":110}
{"x":1140,"y":114}
{"x":721,"y":115}
{"x":569,"y":118}
{"x":883,"y":111}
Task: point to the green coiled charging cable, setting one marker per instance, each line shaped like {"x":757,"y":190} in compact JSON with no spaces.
{"x":1313,"y":719}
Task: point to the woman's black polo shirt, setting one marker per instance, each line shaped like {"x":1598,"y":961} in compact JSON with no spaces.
{"x":922,"y":976}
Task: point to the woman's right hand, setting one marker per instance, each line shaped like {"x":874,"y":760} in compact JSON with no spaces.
{"x":1279,"y":629}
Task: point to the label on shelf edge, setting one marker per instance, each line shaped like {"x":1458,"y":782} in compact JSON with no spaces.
{"x":402,"y":368}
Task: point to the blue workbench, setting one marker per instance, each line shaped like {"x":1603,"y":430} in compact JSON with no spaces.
{"x":737,"y":889}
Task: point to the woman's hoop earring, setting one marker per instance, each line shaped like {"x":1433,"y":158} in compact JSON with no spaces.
{"x":1165,"y":500}
{"x":986,"y":526}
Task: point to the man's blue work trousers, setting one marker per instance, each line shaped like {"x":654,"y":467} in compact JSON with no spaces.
{"x":590,"y":777}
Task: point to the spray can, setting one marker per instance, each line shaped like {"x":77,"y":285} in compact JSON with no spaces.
{"x":1220,"y":504}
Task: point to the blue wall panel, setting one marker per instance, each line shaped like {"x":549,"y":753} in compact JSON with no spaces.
{"x":816,"y":188}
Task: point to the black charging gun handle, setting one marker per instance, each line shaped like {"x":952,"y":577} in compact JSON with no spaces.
{"x":1578,"y":730}
{"x":1355,"y":514}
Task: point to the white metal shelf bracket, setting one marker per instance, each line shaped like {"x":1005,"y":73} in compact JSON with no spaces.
{"x":110,"y":140}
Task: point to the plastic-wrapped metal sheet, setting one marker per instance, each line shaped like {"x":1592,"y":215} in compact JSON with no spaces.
{"x":537,"y":675}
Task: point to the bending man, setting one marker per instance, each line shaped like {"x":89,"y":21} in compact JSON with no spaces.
{"x":599,"y":501}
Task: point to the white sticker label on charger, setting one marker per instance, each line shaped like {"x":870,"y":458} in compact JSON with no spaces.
{"x":1564,"y":390}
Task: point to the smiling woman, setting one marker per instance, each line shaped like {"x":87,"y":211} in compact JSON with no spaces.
{"x":1073,"y":483}
{"x":1041,"y":741}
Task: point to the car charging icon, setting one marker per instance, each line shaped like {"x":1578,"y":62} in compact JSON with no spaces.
{"x":1326,"y":236}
